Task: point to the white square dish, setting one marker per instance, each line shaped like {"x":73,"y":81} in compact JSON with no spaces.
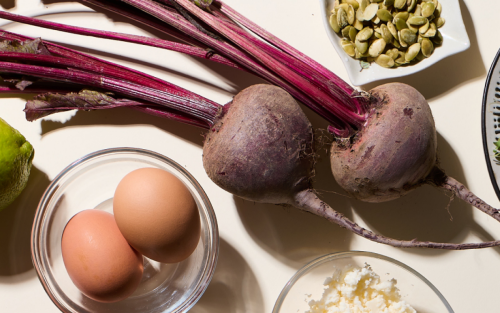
{"x":455,"y":40}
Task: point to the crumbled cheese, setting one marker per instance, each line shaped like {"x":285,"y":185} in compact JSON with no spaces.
{"x":360,"y":290}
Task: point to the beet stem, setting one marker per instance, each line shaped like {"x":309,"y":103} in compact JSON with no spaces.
{"x":307,"y":200}
{"x":142,"y":40}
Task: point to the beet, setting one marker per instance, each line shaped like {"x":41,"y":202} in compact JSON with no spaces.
{"x":260,"y":149}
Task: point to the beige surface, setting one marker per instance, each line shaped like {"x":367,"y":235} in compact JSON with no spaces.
{"x":263,"y":245}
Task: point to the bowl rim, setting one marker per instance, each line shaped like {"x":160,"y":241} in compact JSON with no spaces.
{"x":337,"y":255}
{"x":36,"y":250}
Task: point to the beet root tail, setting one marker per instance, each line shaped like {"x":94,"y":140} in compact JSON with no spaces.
{"x":439,"y":179}
{"x":308,"y":201}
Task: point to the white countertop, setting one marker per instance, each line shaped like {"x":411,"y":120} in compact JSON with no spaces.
{"x":261,"y":246}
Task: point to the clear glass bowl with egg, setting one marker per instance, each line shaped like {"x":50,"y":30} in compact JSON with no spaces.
{"x":90,"y":183}
{"x":308,"y":283}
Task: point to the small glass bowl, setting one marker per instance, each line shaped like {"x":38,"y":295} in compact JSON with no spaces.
{"x":89,"y":183}
{"x":307,"y":283}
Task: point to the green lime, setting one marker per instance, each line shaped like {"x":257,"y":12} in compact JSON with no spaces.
{"x":16,"y":156}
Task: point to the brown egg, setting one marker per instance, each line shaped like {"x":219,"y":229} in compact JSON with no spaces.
{"x":99,"y":260}
{"x":157,"y":215}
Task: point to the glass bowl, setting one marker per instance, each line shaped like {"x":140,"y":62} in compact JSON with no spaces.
{"x":307,"y":283}
{"x":89,"y":183}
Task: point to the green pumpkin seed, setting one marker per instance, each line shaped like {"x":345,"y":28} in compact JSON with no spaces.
{"x":363,"y":4}
{"x":352,"y":33}
{"x":358,"y":25}
{"x":386,"y":34}
{"x":376,"y":1}
{"x":376,"y":48}
{"x":427,"y":47}
{"x":417,"y":20}
{"x":438,"y":10}
{"x":384,"y":61}
{"x":408,"y":36}
{"x":349,"y":49}
{"x":400,"y":23}
{"x":351,"y":14}
{"x":418,"y":10}
{"x":364,"y":34}
{"x":354,"y":3}
{"x":333,"y":22}
{"x":388,"y":3}
{"x":412,"y":5}
{"x":440,"y":22}
{"x":431,"y":32}
{"x":396,"y":44}
{"x":412,"y":27}
{"x":424,"y":28}
{"x":362,"y":46}
{"x":344,"y":6}
{"x":392,"y":29}
{"x":360,"y":15}
{"x":401,"y":41}
{"x":428,"y":9}
{"x":399,"y":4}
{"x":370,"y":11}
{"x":342,"y":18}
{"x":412,"y":52}
{"x":384,"y":15}
{"x":345,"y":31}
{"x":401,"y":59}
{"x":377,"y":35}
{"x":438,"y":39}
{"x":392,"y":54}
{"x":402,"y":15}
{"x":376,"y":20}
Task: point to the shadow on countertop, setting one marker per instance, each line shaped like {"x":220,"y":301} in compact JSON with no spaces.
{"x":16,"y":222}
{"x":448,"y":74}
{"x":234,"y":287}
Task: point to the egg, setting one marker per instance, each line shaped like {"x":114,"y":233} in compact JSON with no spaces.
{"x":157,"y":215}
{"x":98,"y":259}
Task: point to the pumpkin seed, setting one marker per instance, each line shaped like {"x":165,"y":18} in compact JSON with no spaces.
{"x":351,"y":14}
{"x":388,"y":3}
{"x":400,"y":23}
{"x":438,"y":10}
{"x":438,"y":39}
{"x":370,"y":11}
{"x":333,"y":22}
{"x":412,"y":5}
{"x":440,"y":22}
{"x":345,"y":31}
{"x":424,"y":28}
{"x":363,"y":4}
{"x":431,"y":32}
{"x":417,"y":20}
{"x":401,"y":59}
{"x":376,"y":48}
{"x":358,"y":25}
{"x":344,"y":6}
{"x":408,"y":36}
{"x":412,"y":27}
{"x":384,"y":60}
{"x":360,"y":15}
{"x":384,"y":15}
{"x":392,"y":54}
{"x":354,"y":3}
{"x":396,"y":44}
{"x":412,"y":52}
{"x":376,"y":20}
{"x":427,"y":47}
{"x":428,"y":9}
{"x":392,"y":29}
{"x":401,"y":41}
{"x":386,"y":34}
{"x":364,"y":34}
{"x":376,"y":1}
{"x":349,"y":49}
{"x":402,"y":15}
{"x":342,"y":18}
{"x":362,"y":46}
{"x":399,"y":4}
{"x":418,"y":10}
